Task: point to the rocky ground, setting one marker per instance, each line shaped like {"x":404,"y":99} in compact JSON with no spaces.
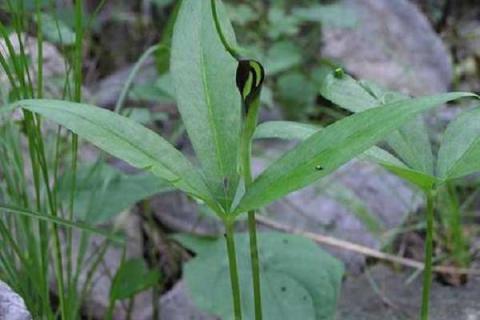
{"x":394,"y":45}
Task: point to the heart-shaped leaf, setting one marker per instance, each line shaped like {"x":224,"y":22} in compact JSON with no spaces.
{"x":299,"y":280}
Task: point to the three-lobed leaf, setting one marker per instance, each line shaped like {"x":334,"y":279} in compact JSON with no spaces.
{"x":328,"y":149}
{"x":204,"y":78}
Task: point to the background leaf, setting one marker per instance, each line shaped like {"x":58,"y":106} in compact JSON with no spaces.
{"x":332,"y":147}
{"x":459,"y":153}
{"x":299,"y":280}
{"x":204,"y":77}
{"x":102,"y":191}
{"x":56,"y":31}
{"x":131,"y":278}
{"x":411,"y":142}
{"x":125,"y":139}
{"x":335,"y":15}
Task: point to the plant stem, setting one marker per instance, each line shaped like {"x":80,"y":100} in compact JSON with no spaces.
{"x":252,"y":230}
{"x":232,"y":262}
{"x":427,"y":273}
{"x":246,"y":152}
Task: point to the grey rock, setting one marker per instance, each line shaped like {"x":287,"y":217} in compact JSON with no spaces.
{"x":177,"y":305}
{"x":358,"y":203}
{"x":55,"y":65}
{"x":12,"y":306}
{"x":97,"y":298}
{"x":397,"y":299}
{"x":394,"y":45}
{"x":182,"y":214}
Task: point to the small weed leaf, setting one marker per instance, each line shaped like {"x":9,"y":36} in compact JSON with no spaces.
{"x":102,"y":191}
{"x":131,"y":278}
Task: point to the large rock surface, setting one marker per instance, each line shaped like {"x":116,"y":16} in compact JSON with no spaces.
{"x":12,"y":306}
{"x":394,"y":45}
{"x":360,"y":203}
{"x":397,"y":299}
{"x":176,"y":305}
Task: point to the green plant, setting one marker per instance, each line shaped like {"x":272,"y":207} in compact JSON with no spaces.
{"x":124,"y":286}
{"x":204,"y":68}
{"x":37,"y":227}
{"x":457,"y":157}
{"x":286,"y":36}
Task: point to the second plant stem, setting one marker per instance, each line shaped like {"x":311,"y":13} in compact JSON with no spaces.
{"x":427,"y":273}
{"x":250,"y":124}
{"x":232,"y":262}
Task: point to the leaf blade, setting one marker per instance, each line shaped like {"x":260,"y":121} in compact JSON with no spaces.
{"x":209,"y":102}
{"x":459,"y":153}
{"x":124,"y":139}
{"x":410,"y":142}
{"x":290,"y":130}
{"x":333,"y":147}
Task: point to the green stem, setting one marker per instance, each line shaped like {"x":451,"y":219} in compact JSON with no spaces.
{"x":427,"y":274}
{"x":246,"y":152}
{"x":232,"y":262}
{"x":252,"y":230}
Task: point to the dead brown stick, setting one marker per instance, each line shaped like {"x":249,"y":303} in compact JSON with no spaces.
{"x":342,"y":244}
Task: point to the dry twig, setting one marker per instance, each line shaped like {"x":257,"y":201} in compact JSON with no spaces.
{"x":346,"y":245}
